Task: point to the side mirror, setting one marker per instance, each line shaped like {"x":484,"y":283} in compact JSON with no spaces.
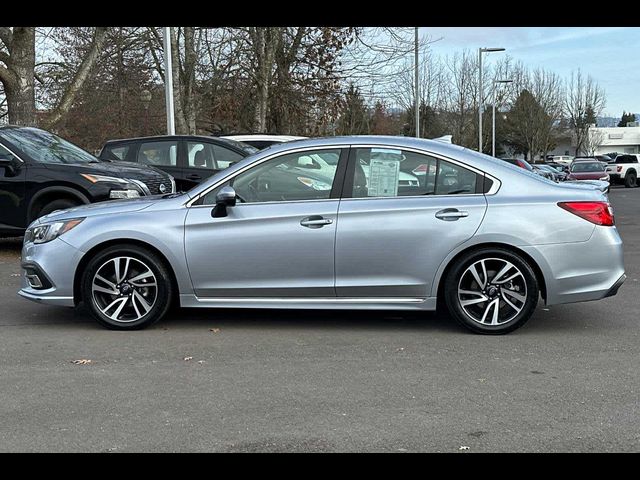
{"x":226,"y":197}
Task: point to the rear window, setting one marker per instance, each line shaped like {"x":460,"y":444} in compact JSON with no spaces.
{"x":626,"y":159}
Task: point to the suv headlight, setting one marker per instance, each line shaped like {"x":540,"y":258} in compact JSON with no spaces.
{"x":48,"y":231}
{"x":118,"y":192}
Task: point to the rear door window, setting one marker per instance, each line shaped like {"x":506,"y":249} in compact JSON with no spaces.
{"x":161,"y":154}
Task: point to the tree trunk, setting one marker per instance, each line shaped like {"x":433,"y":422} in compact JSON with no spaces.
{"x":181,"y":121}
{"x":18,"y":77}
{"x":265,"y":44}
{"x":189,"y":71}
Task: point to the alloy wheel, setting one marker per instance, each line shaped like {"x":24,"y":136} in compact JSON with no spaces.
{"x":124,"y":289}
{"x":492,"y":291}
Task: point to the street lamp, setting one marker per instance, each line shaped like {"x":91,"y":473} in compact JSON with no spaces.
{"x":493,"y":141}
{"x":480,"y":52}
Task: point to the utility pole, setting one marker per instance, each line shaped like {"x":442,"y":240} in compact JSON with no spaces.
{"x":168,"y":82}
{"x":417,"y":99}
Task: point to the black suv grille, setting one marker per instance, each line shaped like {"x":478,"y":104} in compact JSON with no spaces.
{"x":154,"y":179}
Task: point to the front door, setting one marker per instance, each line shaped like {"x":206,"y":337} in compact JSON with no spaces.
{"x":13,"y":205}
{"x":278,"y":241}
{"x":406,"y":213}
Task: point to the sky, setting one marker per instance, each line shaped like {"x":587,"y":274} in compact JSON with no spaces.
{"x":611,"y":55}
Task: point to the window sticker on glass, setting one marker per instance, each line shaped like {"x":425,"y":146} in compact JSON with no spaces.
{"x":383,"y":177}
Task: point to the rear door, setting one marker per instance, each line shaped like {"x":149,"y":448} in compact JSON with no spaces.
{"x":390,"y":238}
{"x":162,"y":154}
{"x":203,"y":158}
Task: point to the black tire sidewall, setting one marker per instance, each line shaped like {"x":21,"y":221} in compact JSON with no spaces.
{"x":453,"y":278}
{"x":163,"y":278}
{"x":630,"y":180}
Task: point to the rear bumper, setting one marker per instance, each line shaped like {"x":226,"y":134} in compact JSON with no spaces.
{"x":616,"y":286}
{"x":581,"y":271}
{"x":614,"y":178}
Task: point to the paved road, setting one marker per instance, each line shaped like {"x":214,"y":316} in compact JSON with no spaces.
{"x":314,"y":381}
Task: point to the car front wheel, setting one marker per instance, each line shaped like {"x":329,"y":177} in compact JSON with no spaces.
{"x":127,"y":287}
{"x":491,"y":291}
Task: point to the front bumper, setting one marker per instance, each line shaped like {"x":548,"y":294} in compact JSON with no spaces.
{"x":56,"y":262}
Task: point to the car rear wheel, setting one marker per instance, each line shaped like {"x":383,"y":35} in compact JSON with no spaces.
{"x":630,"y":180}
{"x":491,"y":291}
{"x":127,"y":287}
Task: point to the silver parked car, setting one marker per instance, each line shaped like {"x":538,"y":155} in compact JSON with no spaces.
{"x":478,"y":235}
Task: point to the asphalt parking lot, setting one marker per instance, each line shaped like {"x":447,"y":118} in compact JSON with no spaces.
{"x":324,"y":381}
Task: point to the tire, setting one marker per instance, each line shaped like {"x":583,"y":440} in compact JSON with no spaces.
{"x":137,"y":306}
{"x":630,"y":180}
{"x":60,"y":204}
{"x":489,"y":310}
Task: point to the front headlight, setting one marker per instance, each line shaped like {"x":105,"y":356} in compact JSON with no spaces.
{"x":102,"y":178}
{"x":48,"y":231}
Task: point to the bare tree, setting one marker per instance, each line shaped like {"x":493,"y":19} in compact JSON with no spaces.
{"x":593,"y":140}
{"x":585,"y":100}
{"x":17,"y":53}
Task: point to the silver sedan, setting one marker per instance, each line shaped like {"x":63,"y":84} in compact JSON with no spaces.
{"x":475,"y":235}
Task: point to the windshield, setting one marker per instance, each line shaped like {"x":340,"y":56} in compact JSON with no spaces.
{"x":587,"y":167}
{"x":46,"y":147}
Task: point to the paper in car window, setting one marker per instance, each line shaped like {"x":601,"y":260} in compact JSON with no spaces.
{"x":383,"y":178}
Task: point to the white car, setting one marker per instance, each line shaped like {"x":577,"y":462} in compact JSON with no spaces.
{"x":263,"y":141}
{"x":563,"y":159}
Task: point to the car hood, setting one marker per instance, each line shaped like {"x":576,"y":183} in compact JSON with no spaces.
{"x":588,"y":175}
{"x":119,"y":169}
{"x":101,"y":208}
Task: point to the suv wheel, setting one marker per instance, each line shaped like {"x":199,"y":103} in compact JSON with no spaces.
{"x":630,"y":180}
{"x":491,"y":291}
{"x":127,"y":287}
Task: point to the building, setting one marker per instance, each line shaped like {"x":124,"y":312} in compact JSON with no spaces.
{"x":603,"y":140}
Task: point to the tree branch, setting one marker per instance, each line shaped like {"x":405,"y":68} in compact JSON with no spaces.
{"x":6,"y":35}
{"x":79,"y":78}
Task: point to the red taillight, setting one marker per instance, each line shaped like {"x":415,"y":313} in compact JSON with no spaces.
{"x":599,"y":213}
{"x":421,"y":168}
{"x":521,"y":164}
{"x":619,"y":168}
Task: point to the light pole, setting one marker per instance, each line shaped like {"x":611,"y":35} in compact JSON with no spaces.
{"x":417,"y":99}
{"x":480,"y":52}
{"x":493,"y":140}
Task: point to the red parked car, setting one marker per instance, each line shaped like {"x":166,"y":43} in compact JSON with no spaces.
{"x":587,"y":170}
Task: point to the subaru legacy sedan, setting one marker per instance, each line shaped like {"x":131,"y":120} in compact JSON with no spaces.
{"x":475,"y":235}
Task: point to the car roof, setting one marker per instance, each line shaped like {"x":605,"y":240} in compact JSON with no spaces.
{"x":162,"y":137}
{"x":264,"y":137}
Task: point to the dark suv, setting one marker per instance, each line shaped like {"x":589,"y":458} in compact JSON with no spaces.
{"x":188,"y":158}
{"x":41,"y":172}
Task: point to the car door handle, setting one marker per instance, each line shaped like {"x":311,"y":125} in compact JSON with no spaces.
{"x":193,"y":176}
{"x":451,"y":214}
{"x":315,"y":221}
